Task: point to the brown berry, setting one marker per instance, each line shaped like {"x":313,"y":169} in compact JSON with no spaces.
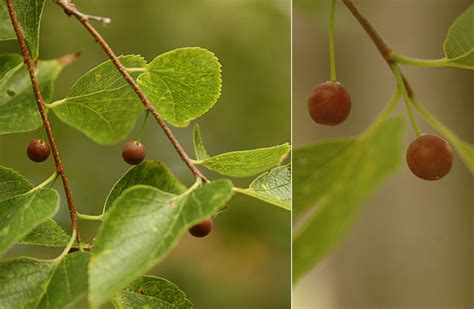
{"x":329,"y":103}
{"x":38,"y":150}
{"x":202,"y":229}
{"x":133,"y":152}
{"x":430,"y":157}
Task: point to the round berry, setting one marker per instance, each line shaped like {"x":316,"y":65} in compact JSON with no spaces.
{"x":133,"y":152}
{"x":329,"y":103}
{"x":430,"y":157}
{"x":202,"y":229}
{"x":38,"y":150}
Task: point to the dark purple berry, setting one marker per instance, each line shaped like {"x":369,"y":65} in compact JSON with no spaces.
{"x":202,"y":229}
{"x":430,"y":157}
{"x":329,"y":103}
{"x":133,"y":152}
{"x":38,"y":150}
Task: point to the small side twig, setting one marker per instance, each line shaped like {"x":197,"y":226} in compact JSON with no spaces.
{"x":384,"y":49}
{"x":70,"y":9}
{"x":103,"y":20}
{"x":41,"y":107}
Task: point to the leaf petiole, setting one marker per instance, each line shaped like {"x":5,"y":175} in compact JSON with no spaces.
{"x":196,"y":185}
{"x":239,"y":190}
{"x":443,"y":62}
{"x":55,"y":103}
{"x":45,"y":183}
{"x":131,"y":70}
{"x":68,"y":247}
{"x":90,"y":217}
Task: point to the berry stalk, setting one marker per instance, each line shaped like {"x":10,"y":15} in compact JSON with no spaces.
{"x":42,"y":110}
{"x":332,"y":56}
{"x":406,"y":98}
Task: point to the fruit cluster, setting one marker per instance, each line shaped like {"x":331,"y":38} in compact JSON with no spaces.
{"x":133,"y":152}
{"x":429,"y":156}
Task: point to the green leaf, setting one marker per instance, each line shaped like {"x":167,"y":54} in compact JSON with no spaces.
{"x":246,"y":163}
{"x":12,"y":183}
{"x":140,"y":229}
{"x":327,"y":161}
{"x":151,"y":292}
{"x":459,"y":44}
{"x":48,"y":234}
{"x":151,"y":173}
{"x":349,"y":171}
{"x":199,"y":149}
{"x":68,"y":282}
{"x":6,"y":28}
{"x":9,"y":62}
{"x":24,"y":281}
{"x":101,"y":104}
{"x":18,"y":109}
{"x":32,"y":283}
{"x":183,"y":84}
{"x":20,"y":214}
{"x":29,"y":14}
{"x":273,"y":187}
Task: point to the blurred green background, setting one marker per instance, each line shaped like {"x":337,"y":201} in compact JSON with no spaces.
{"x":412,"y":246}
{"x":245,"y":262}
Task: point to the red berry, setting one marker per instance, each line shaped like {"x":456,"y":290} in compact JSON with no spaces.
{"x":430,"y":157}
{"x":38,"y":150}
{"x":133,"y":152}
{"x":202,"y":229}
{"x":329,"y":103}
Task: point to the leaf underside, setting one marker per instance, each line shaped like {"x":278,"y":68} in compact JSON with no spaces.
{"x":12,"y":183}
{"x":32,"y":283}
{"x":141,"y":228}
{"x":151,"y":292}
{"x":459,"y":43}
{"x":101,"y":104}
{"x":18,"y":109}
{"x":333,"y":179}
{"x":273,"y":187}
{"x":22,"y":213}
{"x":29,"y":13}
{"x":47,"y":234}
{"x":246,"y":163}
{"x":151,"y":173}
{"x":199,"y":149}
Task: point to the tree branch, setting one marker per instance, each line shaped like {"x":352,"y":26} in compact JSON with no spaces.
{"x":70,"y":9}
{"x":41,"y":107}
{"x":377,"y":39}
